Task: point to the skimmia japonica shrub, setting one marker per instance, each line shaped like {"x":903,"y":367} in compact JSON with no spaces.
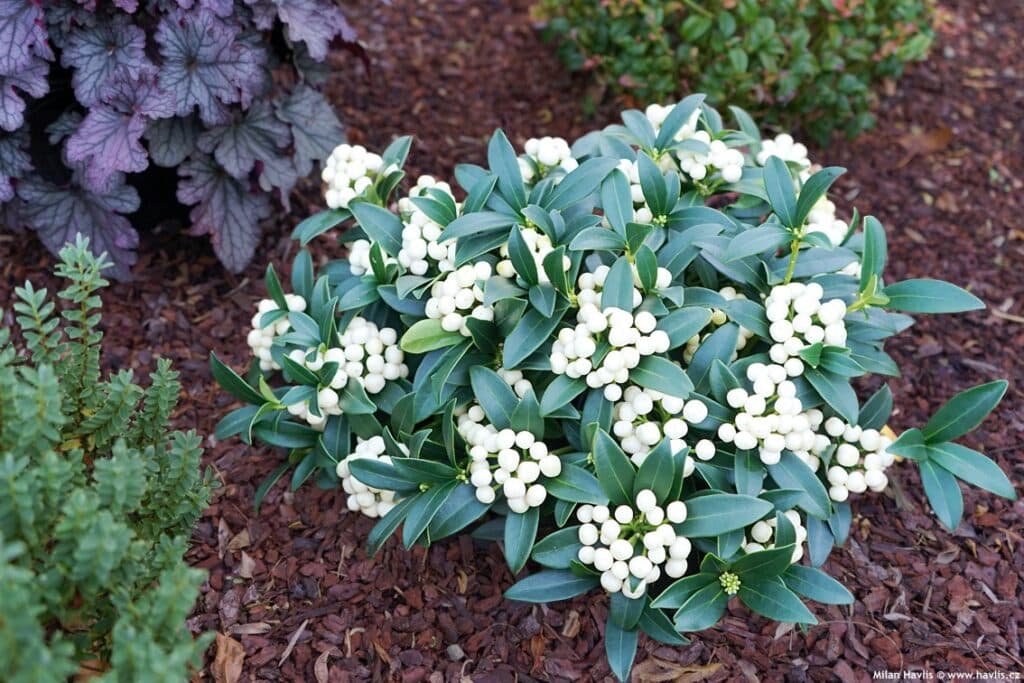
{"x":97,"y":500}
{"x":97,"y":98}
{"x":814,"y":63}
{"x":629,"y":361}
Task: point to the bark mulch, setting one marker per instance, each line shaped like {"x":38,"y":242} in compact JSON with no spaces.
{"x":291,"y":588}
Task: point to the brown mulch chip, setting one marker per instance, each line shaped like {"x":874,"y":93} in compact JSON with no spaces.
{"x":291,"y":590}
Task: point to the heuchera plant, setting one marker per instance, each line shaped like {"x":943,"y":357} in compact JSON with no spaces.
{"x":629,"y":361}
{"x":92,"y":94}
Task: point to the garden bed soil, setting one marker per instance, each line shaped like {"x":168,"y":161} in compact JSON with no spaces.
{"x":291,"y":588}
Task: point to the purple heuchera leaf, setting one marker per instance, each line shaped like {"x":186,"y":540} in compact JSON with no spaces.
{"x":109,"y":139}
{"x":32,"y":81}
{"x":315,"y":127}
{"x":205,"y":66}
{"x":14,"y":162}
{"x":224,"y":208}
{"x":59,"y":213}
{"x":314,"y":23}
{"x":99,"y":52}
{"x":222,"y":8}
{"x":172,"y":140}
{"x":22,"y":35}
{"x":257,"y":134}
{"x":66,"y":124}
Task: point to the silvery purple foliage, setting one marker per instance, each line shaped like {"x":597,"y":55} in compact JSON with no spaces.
{"x":112,"y":89}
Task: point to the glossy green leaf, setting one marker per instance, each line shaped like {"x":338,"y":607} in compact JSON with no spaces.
{"x":661,"y":374}
{"x":576,"y":485}
{"x":816,"y":585}
{"x":972,"y":467}
{"x":769,"y":597}
{"x":495,"y":396}
{"x":620,"y":647}
{"x":943,"y":493}
{"x":551,"y":585}
{"x":793,"y":473}
{"x":930,"y":296}
{"x":380,"y":225}
{"x":964,"y":412}
{"x":520,"y":533}
{"x":615,"y":472}
{"x":428,"y":335}
{"x":718,"y":513}
{"x":559,"y":549}
{"x":779,"y":184}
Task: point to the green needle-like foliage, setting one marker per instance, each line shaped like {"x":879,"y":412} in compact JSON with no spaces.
{"x":97,"y":499}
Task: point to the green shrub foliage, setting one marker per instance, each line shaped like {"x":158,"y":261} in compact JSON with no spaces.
{"x":97,"y":499}
{"x":812,"y":62}
{"x":631,"y":360}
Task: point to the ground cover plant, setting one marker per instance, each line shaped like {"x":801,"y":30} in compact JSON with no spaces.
{"x":98,"y":503}
{"x":640,"y":347}
{"x":813,"y":64}
{"x":113,"y":113}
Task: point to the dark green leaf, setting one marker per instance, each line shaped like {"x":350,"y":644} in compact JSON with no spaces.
{"x":558,"y":550}
{"x":380,"y":225}
{"x":793,"y":473}
{"x":495,"y":396}
{"x":876,"y":411}
{"x":501,"y":157}
{"x":943,"y":493}
{"x":551,"y":585}
{"x":617,"y":201}
{"x":422,"y":511}
{"x":768,"y":237}
{"x":614,"y":470}
{"x":703,"y":609}
{"x":836,"y":391}
{"x":972,"y":467}
{"x":618,"y":286}
{"x":779,"y":184}
{"x":814,"y":189}
{"x":661,"y":374}
{"x":520,"y":533}
{"x":230,"y":381}
{"x":964,"y":412}
{"x":930,"y":296}
{"x":763,"y":563}
{"x":718,"y":513}
{"x":620,"y":648}
{"x":684,"y":323}
{"x":529,"y":334}
{"x":816,"y":585}
{"x":656,"y":625}
{"x":560,"y":392}
{"x":576,"y":485}
{"x":770,"y":597}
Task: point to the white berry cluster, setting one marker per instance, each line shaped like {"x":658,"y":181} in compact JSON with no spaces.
{"x":420,"y":249}
{"x":513,"y":461}
{"x":762,"y":535}
{"x":516,"y":380}
{"x":799,"y":318}
{"x":772,"y":418}
{"x":459,"y":296}
{"x":261,"y":339}
{"x":719,"y":157}
{"x":634,"y":544}
{"x":359,"y":257}
{"x":822,"y":218}
{"x":372,"y":502}
{"x":641,"y":212}
{"x":644,"y":417}
{"x":657,"y":113}
{"x":784,"y":147}
{"x":348,"y":172}
{"x":860,"y":459}
{"x":539,"y":245}
{"x":719,"y":318}
{"x":367,"y":355}
{"x":544,"y":155}
{"x":630,"y":338}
